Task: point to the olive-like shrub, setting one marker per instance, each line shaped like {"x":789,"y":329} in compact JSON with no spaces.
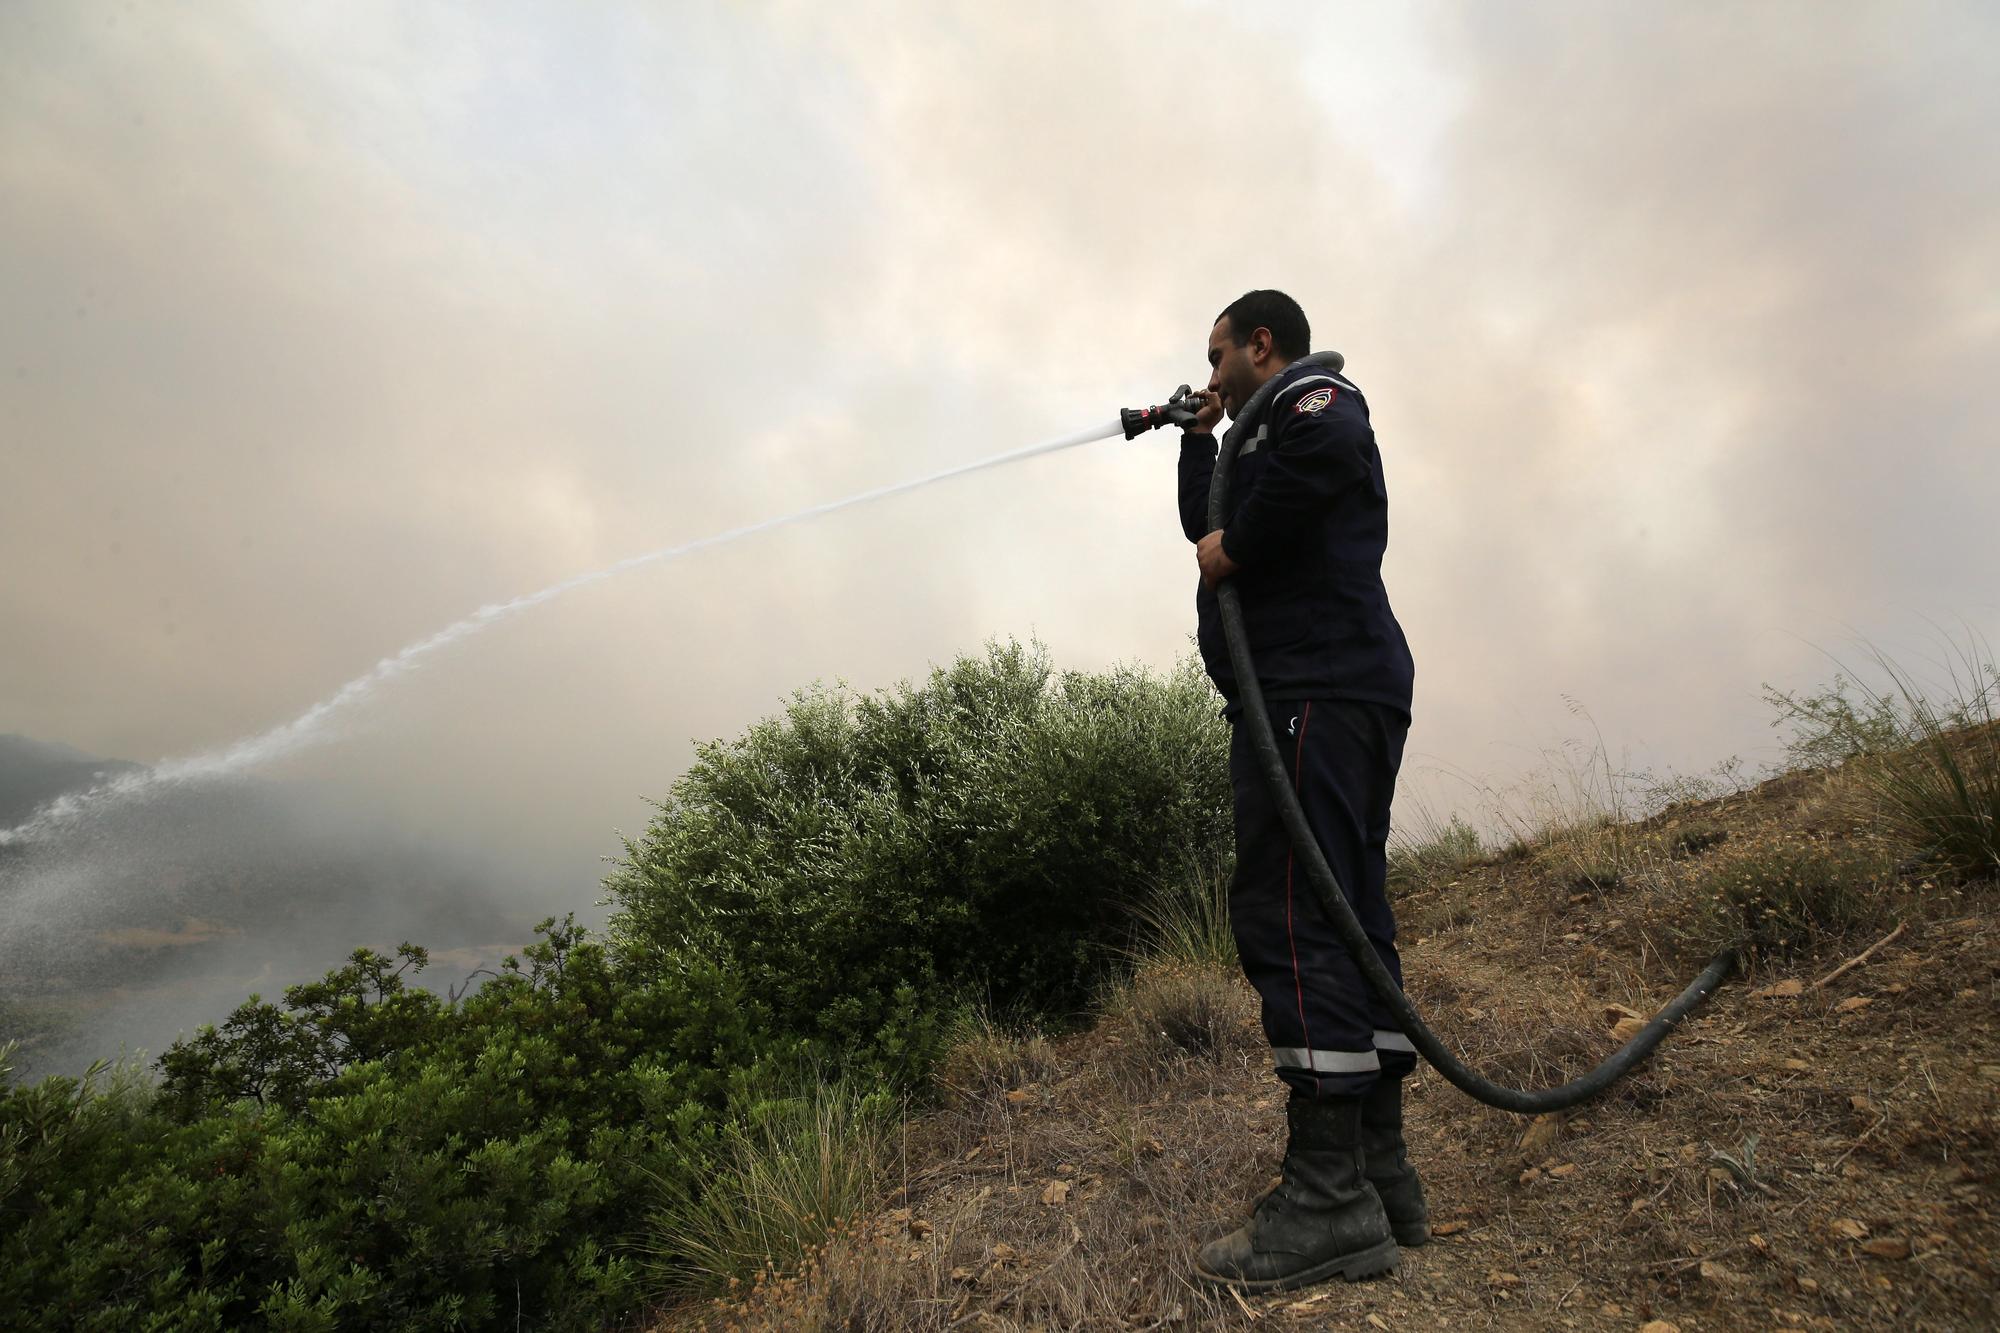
{"x":981,"y":836}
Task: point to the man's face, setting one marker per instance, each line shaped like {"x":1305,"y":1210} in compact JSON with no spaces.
{"x":1232,"y":372}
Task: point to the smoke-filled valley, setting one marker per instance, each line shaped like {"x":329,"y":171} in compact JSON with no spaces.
{"x":149,"y":919}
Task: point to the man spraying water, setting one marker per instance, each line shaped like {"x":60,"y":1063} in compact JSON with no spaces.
{"x":1304,"y":548}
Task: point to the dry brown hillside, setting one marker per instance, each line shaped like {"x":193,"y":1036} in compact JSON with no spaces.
{"x":1807,"y":1153}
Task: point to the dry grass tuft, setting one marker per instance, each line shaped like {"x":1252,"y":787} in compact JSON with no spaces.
{"x":1175,"y":1009}
{"x":983,"y":1060}
{"x":799,"y":1170}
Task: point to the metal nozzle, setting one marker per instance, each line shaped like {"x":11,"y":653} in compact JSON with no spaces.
{"x":1179,"y":410}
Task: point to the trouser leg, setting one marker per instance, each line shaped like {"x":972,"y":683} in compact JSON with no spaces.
{"x":1329,"y":1035}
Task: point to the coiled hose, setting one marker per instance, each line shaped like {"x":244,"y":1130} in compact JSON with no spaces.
{"x":1334,"y":900}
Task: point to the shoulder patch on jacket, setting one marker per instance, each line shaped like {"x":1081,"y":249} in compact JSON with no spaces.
{"x":1315,"y":402}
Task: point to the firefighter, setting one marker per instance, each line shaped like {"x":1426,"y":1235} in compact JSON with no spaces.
{"x":1303,"y":546}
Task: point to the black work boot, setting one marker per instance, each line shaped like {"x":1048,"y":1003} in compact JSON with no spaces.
{"x":1323,"y":1220}
{"x":1388,"y":1163}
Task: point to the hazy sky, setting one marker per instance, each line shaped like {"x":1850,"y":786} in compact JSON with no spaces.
{"x":326,"y":324}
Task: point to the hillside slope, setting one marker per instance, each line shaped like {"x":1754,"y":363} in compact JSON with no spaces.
{"x":1799,"y":1155}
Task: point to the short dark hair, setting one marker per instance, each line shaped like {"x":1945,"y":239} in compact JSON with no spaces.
{"x":1291,"y":336}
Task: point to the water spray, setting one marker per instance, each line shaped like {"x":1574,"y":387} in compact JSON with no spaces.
{"x":311,"y":727}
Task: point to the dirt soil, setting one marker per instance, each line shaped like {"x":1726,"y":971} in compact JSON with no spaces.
{"x":1800,"y":1155}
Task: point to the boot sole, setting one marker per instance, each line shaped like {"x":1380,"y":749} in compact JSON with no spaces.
{"x":1375,"y":1261}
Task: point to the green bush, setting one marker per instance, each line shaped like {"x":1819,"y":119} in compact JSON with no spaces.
{"x":485,"y":1162}
{"x":970,"y":838}
{"x":827,"y":892}
{"x":1838,"y":722}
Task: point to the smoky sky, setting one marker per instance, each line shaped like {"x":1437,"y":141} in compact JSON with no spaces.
{"x":326,"y":325}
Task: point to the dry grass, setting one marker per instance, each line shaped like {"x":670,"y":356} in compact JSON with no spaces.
{"x":1798,"y":1156}
{"x":1173,"y":1009}
{"x":985,"y":1060}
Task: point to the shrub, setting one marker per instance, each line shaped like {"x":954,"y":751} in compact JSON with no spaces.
{"x":970,"y":838}
{"x":485,"y":1172}
{"x":1839,"y":722}
{"x":1784,"y":892}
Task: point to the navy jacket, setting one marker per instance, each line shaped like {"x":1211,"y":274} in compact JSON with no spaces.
{"x":1309,"y":522}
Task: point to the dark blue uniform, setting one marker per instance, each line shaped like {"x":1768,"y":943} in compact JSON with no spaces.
{"x":1308,"y":526}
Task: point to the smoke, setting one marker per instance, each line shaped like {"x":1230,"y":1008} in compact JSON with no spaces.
{"x":157,"y":915}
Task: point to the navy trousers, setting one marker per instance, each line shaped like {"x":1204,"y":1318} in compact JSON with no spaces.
{"x":1329,"y":1035}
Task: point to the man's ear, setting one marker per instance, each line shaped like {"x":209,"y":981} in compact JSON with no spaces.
{"x":1261,"y":345}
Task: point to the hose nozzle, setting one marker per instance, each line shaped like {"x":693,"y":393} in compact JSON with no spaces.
{"x":1179,"y":410}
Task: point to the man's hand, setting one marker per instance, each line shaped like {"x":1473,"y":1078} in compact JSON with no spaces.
{"x":1209,"y":414}
{"x":1214,"y":561}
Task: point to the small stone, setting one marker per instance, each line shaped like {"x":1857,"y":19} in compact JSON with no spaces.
{"x":1496,"y":1278}
{"x":1566,"y":1169}
{"x":1797,"y":1066}
{"x":1888,"y":1247}
{"x":1809,"y":1286}
{"x":1720,"y":1274}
